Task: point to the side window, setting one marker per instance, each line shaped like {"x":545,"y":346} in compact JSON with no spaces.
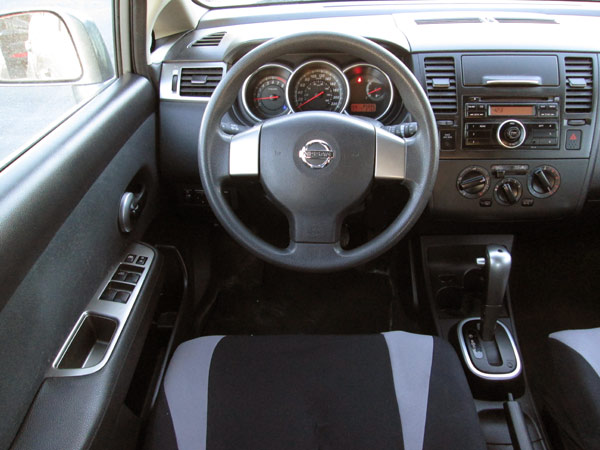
{"x":54,"y":57}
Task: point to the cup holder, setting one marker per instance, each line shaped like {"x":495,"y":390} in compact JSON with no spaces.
{"x":455,"y":301}
{"x":449,"y":298}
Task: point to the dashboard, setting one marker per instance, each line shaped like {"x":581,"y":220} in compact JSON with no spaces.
{"x":514,"y":88}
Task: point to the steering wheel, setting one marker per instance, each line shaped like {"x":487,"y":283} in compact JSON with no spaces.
{"x":315,"y":166}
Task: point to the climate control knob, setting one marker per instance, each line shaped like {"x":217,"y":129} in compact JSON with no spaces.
{"x":508,"y":191}
{"x":473,"y":182}
{"x":511,"y":134}
{"x":544,"y":181}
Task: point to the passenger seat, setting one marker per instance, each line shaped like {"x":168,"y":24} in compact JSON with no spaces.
{"x":575,"y":394}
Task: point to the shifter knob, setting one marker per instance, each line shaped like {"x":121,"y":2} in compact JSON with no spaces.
{"x":497,"y":269}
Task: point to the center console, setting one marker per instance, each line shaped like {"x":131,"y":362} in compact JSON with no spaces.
{"x":516,"y":133}
{"x":465,"y":282}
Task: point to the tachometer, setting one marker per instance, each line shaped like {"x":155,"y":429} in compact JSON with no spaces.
{"x":371,"y":91}
{"x":263,"y":93}
{"x":317,"y":86}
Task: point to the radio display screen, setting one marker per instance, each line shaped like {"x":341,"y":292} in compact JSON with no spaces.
{"x":512,"y":110}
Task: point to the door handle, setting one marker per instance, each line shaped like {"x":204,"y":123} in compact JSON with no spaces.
{"x":130,"y":208}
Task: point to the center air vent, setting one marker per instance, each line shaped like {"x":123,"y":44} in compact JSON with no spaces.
{"x":440,"y":75}
{"x":579,"y":84}
{"x":199,"y":81}
{"x":210,"y":40}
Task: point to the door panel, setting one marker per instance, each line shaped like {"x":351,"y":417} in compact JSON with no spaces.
{"x":59,"y":236}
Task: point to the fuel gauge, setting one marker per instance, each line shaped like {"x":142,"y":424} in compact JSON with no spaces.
{"x":371,"y":92}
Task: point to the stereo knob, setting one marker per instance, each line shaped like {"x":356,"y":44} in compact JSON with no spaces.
{"x":544,"y":181}
{"x":511,"y":134}
{"x":473,"y":182}
{"x":508,"y":191}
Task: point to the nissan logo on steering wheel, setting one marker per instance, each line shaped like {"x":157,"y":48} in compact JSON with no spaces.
{"x":316,"y":154}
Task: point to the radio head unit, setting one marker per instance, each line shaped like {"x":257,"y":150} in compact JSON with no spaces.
{"x":493,"y":124}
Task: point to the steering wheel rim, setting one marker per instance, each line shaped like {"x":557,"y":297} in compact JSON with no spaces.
{"x":421,"y":152}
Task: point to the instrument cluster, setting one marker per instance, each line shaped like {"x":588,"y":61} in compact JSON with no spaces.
{"x":317,"y":85}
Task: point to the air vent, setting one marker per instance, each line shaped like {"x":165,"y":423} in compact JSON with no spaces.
{"x":526,"y":20}
{"x":440,"y":75}
{"x":210,"y":40}
{"x":199,"y":81}
{"x":448,"y":21}
{"x":579,"y":84}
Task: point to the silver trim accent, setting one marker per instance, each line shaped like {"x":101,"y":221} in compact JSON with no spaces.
{"x":244,"y":151}
{"x":390,"y":156}
{"x":512,"y":82}
{"x":245,"y":85}
{"x":304,"y":155}
{"x":391,"y":86}
{"x":517,"y":144}
{"x":118,"y":312}
{"x":317,"y":61}
{"x":488,"y":376}
{"x":174,"y":68}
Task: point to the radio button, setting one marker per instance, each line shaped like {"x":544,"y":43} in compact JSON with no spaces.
{"x":511,"y":134}
{"x":544,"y":133}
{"x":479,"y":126}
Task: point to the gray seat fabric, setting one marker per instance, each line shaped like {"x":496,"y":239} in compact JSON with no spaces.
{"x":397,"y":390}
{"x":575,"y":392}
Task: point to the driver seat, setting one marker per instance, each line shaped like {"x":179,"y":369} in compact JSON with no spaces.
{"x":394,"y":390}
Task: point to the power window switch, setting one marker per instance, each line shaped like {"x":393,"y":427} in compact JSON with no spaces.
{"x":122,"y":297}
{"x":130,"y":259}
{"x":121,"y":275}
{"x":142,"y":260}
{"x":132,"y":278}
{"x":109,"y":294}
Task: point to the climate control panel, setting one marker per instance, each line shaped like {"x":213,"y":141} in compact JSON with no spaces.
{"x":512,"y":190}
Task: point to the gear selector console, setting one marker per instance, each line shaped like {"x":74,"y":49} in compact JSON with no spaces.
{"x":467,"y":282}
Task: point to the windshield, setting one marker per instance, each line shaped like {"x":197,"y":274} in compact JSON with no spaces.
{"x":214,"y":4}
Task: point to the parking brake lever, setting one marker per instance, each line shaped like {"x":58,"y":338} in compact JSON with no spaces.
{"x":497,"y":268}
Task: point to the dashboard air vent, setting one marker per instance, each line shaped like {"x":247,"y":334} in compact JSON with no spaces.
{"x":210,"y":40}
{"x":440,"y":75}
{"x":448,"y":21}
{"x":579,"y":84}
{"x":199,"y":81}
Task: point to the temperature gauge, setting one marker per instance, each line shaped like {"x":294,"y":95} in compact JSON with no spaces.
{"x":371,"y":92}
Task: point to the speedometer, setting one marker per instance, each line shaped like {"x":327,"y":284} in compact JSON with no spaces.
{"x":317,"y":86}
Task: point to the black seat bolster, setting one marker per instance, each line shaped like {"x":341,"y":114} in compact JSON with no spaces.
{"x":575,"y":394}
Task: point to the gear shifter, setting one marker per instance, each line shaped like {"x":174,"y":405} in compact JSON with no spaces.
{"x":497,"y":269}
{"x":486,"y":342}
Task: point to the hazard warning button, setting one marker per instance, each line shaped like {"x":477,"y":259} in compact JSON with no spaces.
{"x":573,"y":140}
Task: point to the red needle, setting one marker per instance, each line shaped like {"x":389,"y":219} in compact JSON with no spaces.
{"x":272,"y":97}
{"x":374,"y":90}
{"x":311,"y":99}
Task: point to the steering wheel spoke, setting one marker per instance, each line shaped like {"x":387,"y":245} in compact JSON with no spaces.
{"x":390,"y":156}
{"x":244,"y":152}
{"x":315,"y":229}
{"x":309,"y":252}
